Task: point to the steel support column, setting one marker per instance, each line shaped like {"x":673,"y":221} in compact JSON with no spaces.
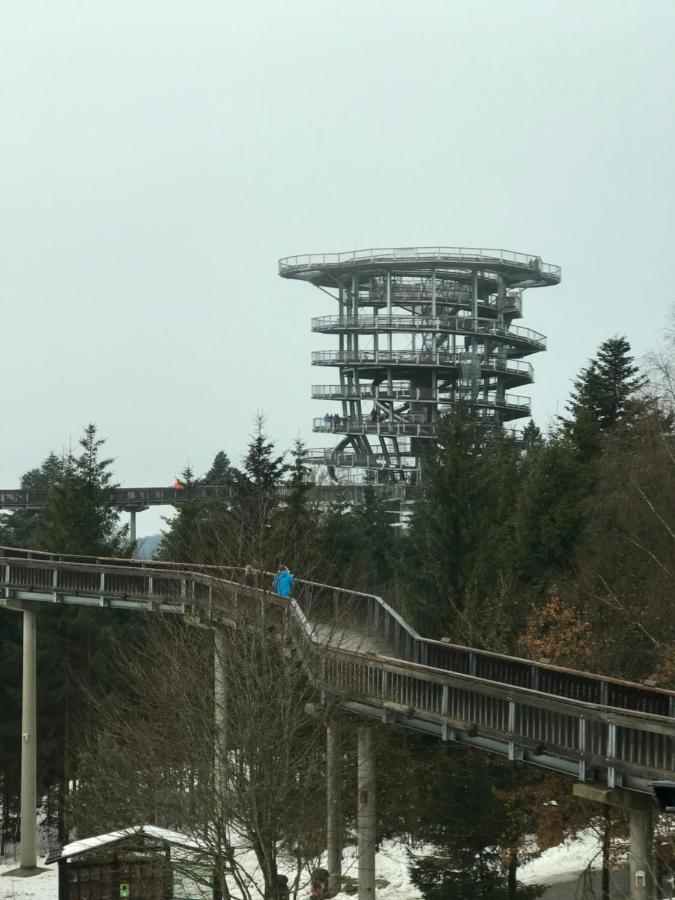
{"x":366,"y":813}
{"x":334,"y":804}
{"x":28,"y":858}
{"x":220,"y":713}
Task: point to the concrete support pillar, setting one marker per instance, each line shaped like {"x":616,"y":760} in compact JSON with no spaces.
{"x":132,"y":527}
{"x":641,"y":810}
{"x":334,"y":804}
{"x":28,"y":859}
{"x":641,"y":854}
{"x":366,"y":813}
{"x":220,"y":713}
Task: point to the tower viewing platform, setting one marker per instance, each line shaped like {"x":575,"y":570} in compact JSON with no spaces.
{"x":420,"y":329}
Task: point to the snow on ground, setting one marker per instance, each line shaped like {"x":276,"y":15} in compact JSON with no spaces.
{"x":558,"y":864}
{"x":564,"y":862}
{"x":44,"y":886}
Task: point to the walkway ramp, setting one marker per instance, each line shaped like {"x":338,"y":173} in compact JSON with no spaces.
{"x":360,"y":652}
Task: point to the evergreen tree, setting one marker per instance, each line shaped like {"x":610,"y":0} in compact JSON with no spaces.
{"x":198,"y":531}
{"x":76,"y":644}
{"x":295,"y":522}
{"x":531,"y":437}
{"x":605,"y":395}
{"x":221,"y":470}
{"x":549,"y":513}
{"x":80,"y":518}
{"x":263,"y":471}
{"x":461,"y":537}
{"x":22,"y":527}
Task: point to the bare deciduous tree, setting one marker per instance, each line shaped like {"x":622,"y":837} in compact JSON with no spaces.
{"x":238,"y":767}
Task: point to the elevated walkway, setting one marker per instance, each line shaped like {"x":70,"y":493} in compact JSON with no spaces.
{"x":359,"y":650}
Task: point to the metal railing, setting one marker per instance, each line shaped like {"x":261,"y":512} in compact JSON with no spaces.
{"x":437,"y":358}
{"x":354,"y":425}
{"x":588,"y":725}
{"x":429,"y":324}
{"x":419,"y":294}
{"x":464,"y":256}
{"x":403,"y":391}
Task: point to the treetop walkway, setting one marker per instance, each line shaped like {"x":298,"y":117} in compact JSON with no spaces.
{"x":359,"y":650}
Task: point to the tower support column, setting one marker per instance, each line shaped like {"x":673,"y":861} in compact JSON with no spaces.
{"x":334,"y":804}
{"x":366,"y":813}
{"x":28,"y":857}
{"x":220,"y":714}
{"x":641,"y":854}
{"x":641,"y":810}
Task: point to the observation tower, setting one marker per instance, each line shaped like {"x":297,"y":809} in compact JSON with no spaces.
{"x":419,"y":329}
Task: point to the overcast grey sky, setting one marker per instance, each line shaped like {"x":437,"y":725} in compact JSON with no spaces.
{"x":157,"y":158}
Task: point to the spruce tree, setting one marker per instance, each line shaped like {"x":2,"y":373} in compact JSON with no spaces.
{"x":75,"y":645}
{"x":263,"y":471}
{"x":605,"y":395}
{"x":80,"y":517}
{"x":461,"y":535}
{"x":220,"y":471}
{"x":22,"y":527}
{"x":198,"y":531}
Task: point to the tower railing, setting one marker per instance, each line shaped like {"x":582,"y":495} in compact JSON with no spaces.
{"x":416,"y":254}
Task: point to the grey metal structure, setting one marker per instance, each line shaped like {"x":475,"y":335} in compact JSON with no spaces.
{"x":419,"y":329}
{"x":591,"y":727}
{"x":138,"y":499}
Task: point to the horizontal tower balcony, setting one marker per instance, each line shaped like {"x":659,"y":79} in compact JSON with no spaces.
{"x":516,"y":268}
{"x":522,"y":340}
{"x":353,"y":425}
{"x":419,"y":295}
{"x":414,"y":424}
{"x":404,"y":392}
{"x":373,"y":363}
{"x":351,"y":459}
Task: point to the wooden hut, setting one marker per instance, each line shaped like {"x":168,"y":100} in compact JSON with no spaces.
{"x":133,"y":863}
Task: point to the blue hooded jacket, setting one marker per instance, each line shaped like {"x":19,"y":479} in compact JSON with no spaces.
{"x":283,"y":583}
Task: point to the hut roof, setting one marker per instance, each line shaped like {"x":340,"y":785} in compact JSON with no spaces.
{"x":77,"y":848}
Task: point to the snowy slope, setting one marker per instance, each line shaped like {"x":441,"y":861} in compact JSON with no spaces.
{"x":556,"y":865}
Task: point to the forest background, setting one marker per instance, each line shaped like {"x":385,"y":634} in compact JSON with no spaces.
{"x":558,"y":547}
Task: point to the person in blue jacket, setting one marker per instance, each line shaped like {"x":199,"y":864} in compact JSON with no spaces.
{"x":283,"y":582}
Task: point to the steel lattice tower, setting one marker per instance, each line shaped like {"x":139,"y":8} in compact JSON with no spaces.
{"x":419,"y":329}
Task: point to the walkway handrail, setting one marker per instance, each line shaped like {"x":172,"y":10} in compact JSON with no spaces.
{"x":562,"y":718}
{"x":407,"y":642}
